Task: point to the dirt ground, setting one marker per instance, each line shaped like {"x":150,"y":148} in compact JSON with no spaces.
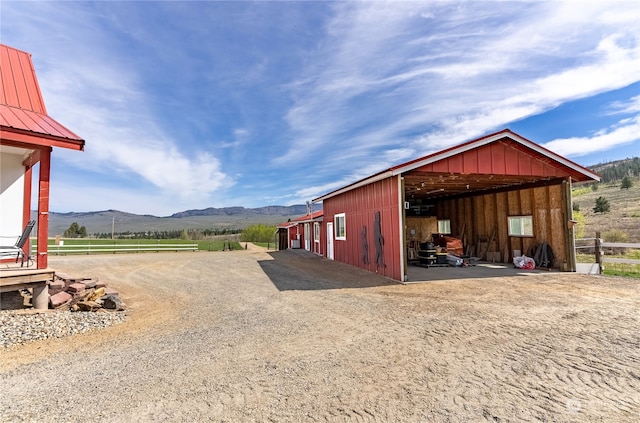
{"x":290,"y":337}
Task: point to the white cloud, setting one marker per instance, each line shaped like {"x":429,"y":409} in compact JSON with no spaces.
{"x":100,"y":96}
{"x":428,"y":76}
{"x":631,"y":106}
{"x":625,"y":132}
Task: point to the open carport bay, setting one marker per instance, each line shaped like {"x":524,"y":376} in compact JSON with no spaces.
{"x":291,"y":337}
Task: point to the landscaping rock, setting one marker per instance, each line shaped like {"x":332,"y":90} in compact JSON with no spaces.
{"x":55,"y":287}
{"x":90,"y":283}
{"x":75,"y":288}
{"x":100,"y":292}
{"x":111,"y":291}
{"x":112,"y":302}
{"x":60,"y":299}
{"x":88,"y":306}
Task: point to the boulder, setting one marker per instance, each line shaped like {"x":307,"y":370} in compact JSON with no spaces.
{"x":88,"y":306}
{"x":100,"y":292}
{"x":112,"y":302}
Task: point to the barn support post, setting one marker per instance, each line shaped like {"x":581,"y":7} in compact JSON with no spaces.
{"x":403,"y":243}
{"x":570,"y":241}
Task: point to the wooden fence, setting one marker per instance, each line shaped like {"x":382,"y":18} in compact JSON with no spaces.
{"x":597,"y":247}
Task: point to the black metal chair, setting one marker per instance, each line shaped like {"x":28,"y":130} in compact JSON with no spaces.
{"x":17,"y":249}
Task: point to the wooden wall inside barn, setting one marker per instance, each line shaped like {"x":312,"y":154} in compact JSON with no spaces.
{"x":483,"y":214}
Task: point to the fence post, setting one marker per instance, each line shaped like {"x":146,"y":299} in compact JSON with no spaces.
{"x":599,"y":252}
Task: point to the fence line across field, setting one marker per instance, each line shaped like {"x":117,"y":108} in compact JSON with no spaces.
{"x":115,"y":248}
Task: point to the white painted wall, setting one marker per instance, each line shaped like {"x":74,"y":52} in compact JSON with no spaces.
{"x":11,"y":192}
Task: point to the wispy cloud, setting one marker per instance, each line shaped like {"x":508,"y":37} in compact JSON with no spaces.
{"x":198,"y":104}
{"x":102,"y":98}
{"x":429,"y":75}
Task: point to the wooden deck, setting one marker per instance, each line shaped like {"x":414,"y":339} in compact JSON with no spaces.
{"x":16,"y":278}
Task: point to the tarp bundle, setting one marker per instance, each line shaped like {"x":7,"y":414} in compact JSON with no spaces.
{"x":543,"y":255}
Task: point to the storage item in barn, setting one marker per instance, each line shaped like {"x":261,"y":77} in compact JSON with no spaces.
{"x":524,"y":262}
{"x":452,"y":244}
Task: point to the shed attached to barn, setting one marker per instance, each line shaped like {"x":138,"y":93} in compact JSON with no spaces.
{"x":499,"y":195}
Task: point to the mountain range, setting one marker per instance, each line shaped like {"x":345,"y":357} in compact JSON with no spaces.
{"x":220,"y":218}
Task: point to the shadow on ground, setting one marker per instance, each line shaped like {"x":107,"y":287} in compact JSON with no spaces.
{"x":479,"y":271}
{"x":302,"y":270}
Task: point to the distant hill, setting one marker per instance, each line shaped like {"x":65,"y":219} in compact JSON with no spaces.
{"x":296,"y":210}
{"x":618,"y":169}
{"x":209,"y":218}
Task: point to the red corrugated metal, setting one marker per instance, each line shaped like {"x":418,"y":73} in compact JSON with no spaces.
{"x":360,"y":207}
{"x":19,"y":83}
{"x":21,"y":105}
{"x":27,"y":120}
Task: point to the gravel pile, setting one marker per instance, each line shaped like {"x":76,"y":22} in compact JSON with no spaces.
{"x":18,"y":327}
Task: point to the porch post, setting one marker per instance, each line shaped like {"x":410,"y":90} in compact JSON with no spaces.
{"x":26,"y":203}
{"x":43,"y":207}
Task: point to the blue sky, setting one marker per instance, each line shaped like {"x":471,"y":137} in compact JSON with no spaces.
{"x":187,"y":105}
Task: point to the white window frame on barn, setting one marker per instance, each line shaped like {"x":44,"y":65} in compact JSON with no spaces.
{"x":316,"y":231}
{"x":340,"y":225}
{"x":521,"y":226}
{"x":444,"y":226}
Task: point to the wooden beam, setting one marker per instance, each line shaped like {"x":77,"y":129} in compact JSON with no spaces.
{"x":43,"y":208}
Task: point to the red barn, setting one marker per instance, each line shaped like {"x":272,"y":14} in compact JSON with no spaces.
{"x":302,"y":232}
{"x":495,"y":195}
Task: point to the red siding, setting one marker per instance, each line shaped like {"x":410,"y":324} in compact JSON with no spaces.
{"x":498,"y":158}
{"x":360,"y":207}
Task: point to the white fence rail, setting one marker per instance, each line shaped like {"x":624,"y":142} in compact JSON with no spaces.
{"x":116,"y":248}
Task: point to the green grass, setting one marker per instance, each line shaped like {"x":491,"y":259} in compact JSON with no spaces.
{"x":581,"y":191}
{"x":622,"y":269}
{"x":203,"y":245}
{"x":616,"y":269}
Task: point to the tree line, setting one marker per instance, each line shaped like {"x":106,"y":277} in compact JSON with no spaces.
{"x":615,"y":171}
{"x":192,"y":234}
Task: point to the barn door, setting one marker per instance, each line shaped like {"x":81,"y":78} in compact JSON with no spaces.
{"x":330,"y":240}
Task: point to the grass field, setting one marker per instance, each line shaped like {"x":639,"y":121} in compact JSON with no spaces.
{"x":203,"y":245}
{"x":623,"y":216}
{"x":616,"y":269}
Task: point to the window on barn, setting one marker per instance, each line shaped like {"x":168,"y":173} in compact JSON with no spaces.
{"x":340,"y":226}
{"x":444,"y":226}
{"x":316,"y":232}
{"x":520,"y":226}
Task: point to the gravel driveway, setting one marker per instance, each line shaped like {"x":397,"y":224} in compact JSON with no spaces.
{"x":290,"y":337}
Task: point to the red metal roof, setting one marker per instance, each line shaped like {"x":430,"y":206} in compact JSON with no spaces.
{"x":471,"y":158}
{"x":313,"y":217}
{"x":23,"y":115}
{"x":309,"y":217}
